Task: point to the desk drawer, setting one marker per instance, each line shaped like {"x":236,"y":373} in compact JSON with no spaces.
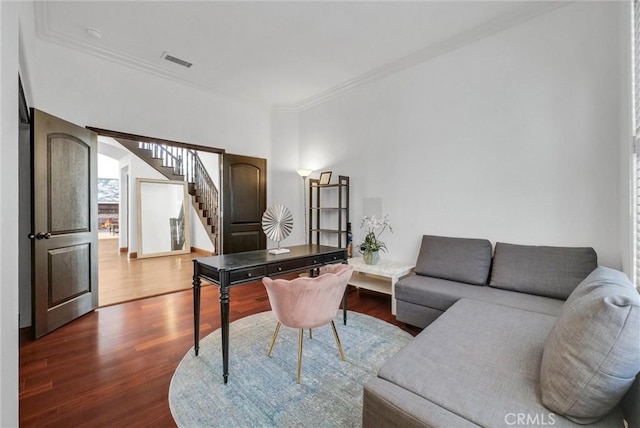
{"x":294,"y":265}
{"x":333,"y":258}
{"x":247,"y":274}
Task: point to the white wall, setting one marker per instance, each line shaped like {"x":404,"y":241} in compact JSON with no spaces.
{"x":9,"y":202}
{"x":90,"y":91}
{"x":211,"y":162}
{"x":108,"y":167}
{"x":285,"y":185}
{"x":514,"y":138}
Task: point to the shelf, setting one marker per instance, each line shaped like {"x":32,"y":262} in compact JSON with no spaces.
{"x":329,"y":212}
{"x":370,"y":282}
{"x":328,"y":230}
{"x":327,"y":208}
{"x":328,"y":185}
{"x":381,"y":277}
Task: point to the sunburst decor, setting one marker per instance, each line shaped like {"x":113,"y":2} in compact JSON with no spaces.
{"x":277,"y":224}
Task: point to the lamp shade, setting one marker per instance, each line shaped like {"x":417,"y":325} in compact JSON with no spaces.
{"x":304,"y":172}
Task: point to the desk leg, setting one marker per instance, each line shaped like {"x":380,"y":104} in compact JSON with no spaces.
{"x":344,"y":300}
{"x":196,"y":308}
{"x":224,"y":324}
{"x":344,"y":305}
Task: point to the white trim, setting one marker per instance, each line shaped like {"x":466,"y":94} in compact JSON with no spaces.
{"x":494,"y":26}
{"x":44,"y":32}
{"x":479,"y":32}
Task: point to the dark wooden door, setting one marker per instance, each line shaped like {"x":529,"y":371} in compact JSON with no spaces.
{"x":65,"y":222}
{"x":244,"y":200}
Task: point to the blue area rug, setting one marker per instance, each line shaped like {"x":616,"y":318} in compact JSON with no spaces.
{"x":262,"y":391}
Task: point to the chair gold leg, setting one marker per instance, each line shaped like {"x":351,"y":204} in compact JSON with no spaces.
{"x":273,"y":339}
{"x":300,"y":338}
{"x":310,"y":333}
{"x":335,"y":334}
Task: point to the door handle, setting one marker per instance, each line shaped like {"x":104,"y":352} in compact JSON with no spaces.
{"x":40,"y":235}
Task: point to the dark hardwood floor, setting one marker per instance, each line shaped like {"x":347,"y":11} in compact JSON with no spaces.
{"x":112,"y":367}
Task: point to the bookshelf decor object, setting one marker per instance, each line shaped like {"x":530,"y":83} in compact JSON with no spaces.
{"x":325,"y":178}
{"x":329,"y":211}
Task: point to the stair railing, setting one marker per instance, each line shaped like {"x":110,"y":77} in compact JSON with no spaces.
{"x":204,"y":185}
{"x":207,"y":195}
{"x":170,"y":155}
{"x":183,"y":161}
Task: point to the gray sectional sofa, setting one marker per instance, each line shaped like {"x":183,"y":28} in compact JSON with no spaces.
{"x":519,"y":336}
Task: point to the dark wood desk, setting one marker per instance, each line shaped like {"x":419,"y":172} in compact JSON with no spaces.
{"x":230,"y":270}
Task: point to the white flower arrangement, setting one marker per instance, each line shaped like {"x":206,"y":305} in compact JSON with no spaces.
{"x":372,"y":240}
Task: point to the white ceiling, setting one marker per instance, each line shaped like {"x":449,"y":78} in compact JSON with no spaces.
{"x":279,"y":53}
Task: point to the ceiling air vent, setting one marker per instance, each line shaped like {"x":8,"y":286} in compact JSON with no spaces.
{"x":176,"y":60}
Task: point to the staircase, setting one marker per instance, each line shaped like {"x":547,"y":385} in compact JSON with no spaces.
{"x":183,"y":164}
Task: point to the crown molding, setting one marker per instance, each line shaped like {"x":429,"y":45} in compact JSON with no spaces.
{"x":473,"y":35}
{"x":530,"y":11}
{"x":44,"y":32}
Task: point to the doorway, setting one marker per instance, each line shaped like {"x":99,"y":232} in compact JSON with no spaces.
{"x":123,"y":274}
{"x":139,"y":277}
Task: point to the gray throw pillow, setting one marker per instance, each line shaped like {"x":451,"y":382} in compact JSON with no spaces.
{"x":544,"y":271}
{"x":455,"y":259}
{"x":592,"y":355}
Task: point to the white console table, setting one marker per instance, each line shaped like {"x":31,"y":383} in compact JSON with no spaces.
{"x":381,"y":277}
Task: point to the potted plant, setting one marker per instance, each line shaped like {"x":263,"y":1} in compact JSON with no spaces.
{"x":372,"y":244}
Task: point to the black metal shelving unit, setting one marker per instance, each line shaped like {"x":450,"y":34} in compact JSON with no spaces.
{"x":329,"y":212}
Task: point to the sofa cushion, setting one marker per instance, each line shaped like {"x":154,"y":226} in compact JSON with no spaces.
{"x":441,"y":294}
{"x":545,"y":271}
{"x":592,"y":354}
{"x":481,"y":362}
{"x":457,"y":259}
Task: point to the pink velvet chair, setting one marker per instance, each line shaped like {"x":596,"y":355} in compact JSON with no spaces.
{"x":307,"y":303}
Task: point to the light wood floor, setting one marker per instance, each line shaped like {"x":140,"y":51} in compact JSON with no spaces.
{"x":122,"y":279}
{"x":112,"y":367}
